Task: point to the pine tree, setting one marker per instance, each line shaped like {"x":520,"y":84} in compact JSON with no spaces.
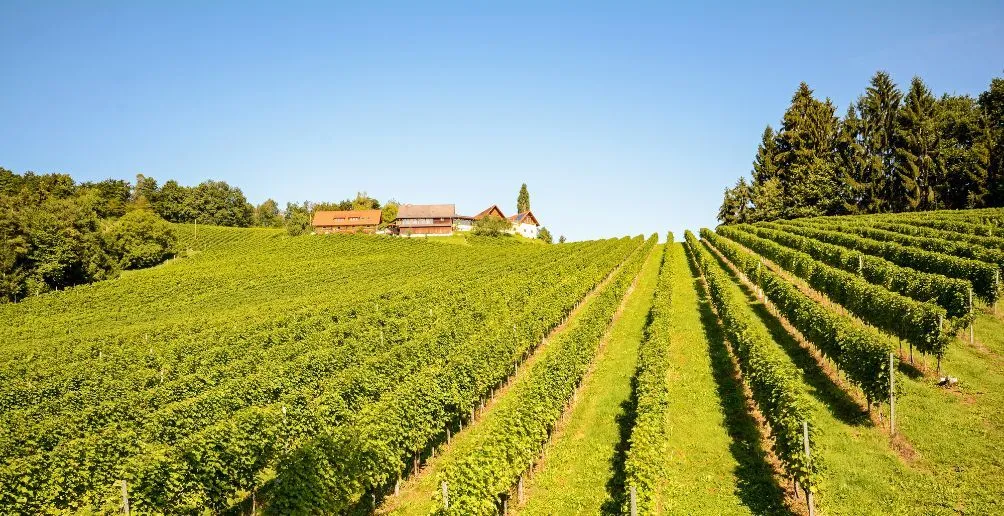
{"x":805,"y":158}
{"x":523,"y":200}
{"x":853,"y":168}
{"x":878,"y":109}
{"x":919,"y":166}
{"x":736,"y":203}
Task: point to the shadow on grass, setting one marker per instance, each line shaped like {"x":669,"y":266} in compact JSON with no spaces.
{"x":625,"y":422}
{"x":840,"y":404}
{"x":758,"y":487}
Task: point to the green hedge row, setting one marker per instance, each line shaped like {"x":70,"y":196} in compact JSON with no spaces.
{"x":860,"y":351}
{"x":647,"y":444}
{"x":770,"y":375}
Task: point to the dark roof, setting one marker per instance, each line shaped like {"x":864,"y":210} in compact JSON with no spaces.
{"x":525,"y":217}
{"x":344,"y":218}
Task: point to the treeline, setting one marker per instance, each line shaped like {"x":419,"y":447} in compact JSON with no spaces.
{"x":57,"y":233}
{"x":891,"y":152}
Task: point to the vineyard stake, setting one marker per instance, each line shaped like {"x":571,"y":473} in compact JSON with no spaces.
{"x":892,"y":396}
{"x":808,"y":492}
{"x":972,"y":320}
{"x":634,"y":501}
{"x":446,"y":496}
{"x":125,"y":497}
{"x":519,"y":490}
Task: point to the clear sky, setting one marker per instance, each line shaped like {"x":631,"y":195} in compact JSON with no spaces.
{"x":621,"y":117}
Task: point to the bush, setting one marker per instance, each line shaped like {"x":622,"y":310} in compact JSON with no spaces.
{"x":140,"y":239}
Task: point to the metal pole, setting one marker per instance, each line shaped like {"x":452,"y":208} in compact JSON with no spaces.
{"x":892,"y":396}
{"x":808,"y":492}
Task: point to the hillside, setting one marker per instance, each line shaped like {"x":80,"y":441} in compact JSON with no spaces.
{"x":258,"y":372}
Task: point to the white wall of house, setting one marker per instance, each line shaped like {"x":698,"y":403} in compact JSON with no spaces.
{"x":527,"y":230}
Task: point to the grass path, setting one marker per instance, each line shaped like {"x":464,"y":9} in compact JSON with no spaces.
{"x":579,"y":472}
{"x":416,"y":496}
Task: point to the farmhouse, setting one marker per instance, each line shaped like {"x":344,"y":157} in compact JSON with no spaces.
{"x":356,"y":221}
{"x":525,"y":224}
{"x":425,"y":219}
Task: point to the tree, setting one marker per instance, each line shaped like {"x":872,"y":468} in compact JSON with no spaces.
{"x":364,"y":202}
{"x":992,"y":104}
{"x":523,"y":200}
{"x":297,"y":218}
{"x":389,"y":212}
{"x":491,"y":225}
{"x":218,"y":203}
{"x":764,"y":165}
{"x":562,"y":239}
{"x":173,"y":203}
{"x":735,"y":206}
{"x":878,"y":109}
{"x":767,"y":201}
{"x":805,"y":160}
{"x":919,"y":165}
{"x":140,"y":239}
{"x":545,"y":235}
{"x":266,"y":215}
{"x":146,"y":187}
{"x":965,"y":148}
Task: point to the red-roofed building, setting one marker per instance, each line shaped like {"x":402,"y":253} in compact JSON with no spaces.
{"x":525,"y":224}
{"x":353,"y":221}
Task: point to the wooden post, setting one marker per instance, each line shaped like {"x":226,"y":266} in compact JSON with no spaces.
{"x":448,"y":434}
{"x":125,"y":497}
{"x":972,"y":321}
{"x":892,"y":396}
{"x":634,"y":501}
{"x":505,"y":506}
{"x":808,"y":492}
{"x":519,"y":490}
{"x":446,"y":496}
{"x":415,"y":462}
{"x":397,"y":485}
{"x":861,"y":265}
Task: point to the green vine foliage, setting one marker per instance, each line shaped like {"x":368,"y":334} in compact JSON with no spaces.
{"x":860,"y":351}
{"x":952,"y":294}
{"x":506,"y":443}
{"x":771,"y":377}
{"x":984,"y":277}
{"x":647,"y":444}
{"x":195,"y":413}
{"x":919,"y":323}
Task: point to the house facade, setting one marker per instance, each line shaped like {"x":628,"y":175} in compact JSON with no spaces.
{"x":466,"y":223}
{"x":425,"y":220}
{"x":354,"y":221}
{"x":525,"y":224}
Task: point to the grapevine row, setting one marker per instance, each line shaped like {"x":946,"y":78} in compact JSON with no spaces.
{"x":862,"y":353}
{"x":771,"y":378}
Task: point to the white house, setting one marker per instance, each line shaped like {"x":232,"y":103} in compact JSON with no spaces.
{"x":525,"y":224}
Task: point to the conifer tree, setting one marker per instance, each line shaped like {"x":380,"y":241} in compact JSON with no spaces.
{"x":992,"y":104}
{"x":805,"y":158}
{"x":856,"y":176}
{"x":764,"y":166}
{"x":523,"y":200}
{"x":965,"y":148}
{"x":878,"y":109}
{"x":919,"y":166}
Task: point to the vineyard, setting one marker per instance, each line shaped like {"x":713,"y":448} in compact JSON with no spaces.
{"x":832,"y":365}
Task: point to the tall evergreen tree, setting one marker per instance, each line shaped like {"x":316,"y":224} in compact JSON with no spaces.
{"x":878,"y":109}
{"x":523,"y":200}
{"x":805,"y":158}
{"x":736,"y":204}
{"x":764,"y":165}
{"x":965,"y":147}
{"x":919,"y":166}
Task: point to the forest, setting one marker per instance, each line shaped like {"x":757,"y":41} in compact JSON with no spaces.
{"x":891,"y":152}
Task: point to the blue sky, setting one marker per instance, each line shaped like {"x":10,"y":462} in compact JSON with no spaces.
{"x":621,"y":117}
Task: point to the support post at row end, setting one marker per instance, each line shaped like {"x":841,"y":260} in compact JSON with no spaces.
{"x":808,"y":491}
{"x":634,"y":501}
{"x":892,"y":395}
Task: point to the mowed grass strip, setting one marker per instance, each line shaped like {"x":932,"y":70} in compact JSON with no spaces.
{"x":581,"y":472}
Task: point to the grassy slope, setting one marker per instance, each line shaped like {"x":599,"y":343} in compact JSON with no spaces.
{"x":863,"y":474}
{"x":416,"y":496}
{"x":584,"y":456}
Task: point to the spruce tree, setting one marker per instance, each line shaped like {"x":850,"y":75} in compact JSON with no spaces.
{"x":878,"y":109}
{"x":805,"y":158}
{"x":919,"y":166}
{"x":764,"y":166}
{"x":523,"y":200}
{"x":856,"y":185}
